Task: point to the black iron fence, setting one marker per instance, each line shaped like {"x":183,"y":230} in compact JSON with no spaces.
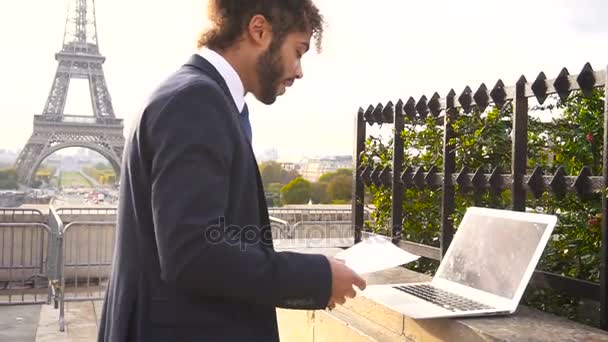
{"x":520,"y":180}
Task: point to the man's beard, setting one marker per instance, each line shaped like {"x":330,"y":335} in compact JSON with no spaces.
{"x":269,"y":71}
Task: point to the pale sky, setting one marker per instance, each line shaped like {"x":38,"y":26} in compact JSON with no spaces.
{"x":374,"y":51}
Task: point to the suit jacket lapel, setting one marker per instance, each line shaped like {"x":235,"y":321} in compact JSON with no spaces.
{"x":199,"y":62}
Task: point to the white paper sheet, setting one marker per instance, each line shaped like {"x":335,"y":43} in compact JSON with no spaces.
{"x":375,"y":254}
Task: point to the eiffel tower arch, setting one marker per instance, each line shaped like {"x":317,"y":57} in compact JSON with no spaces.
{"x":79,"y":58}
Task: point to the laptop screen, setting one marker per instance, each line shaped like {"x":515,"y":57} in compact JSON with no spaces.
{"x":492,"y":253}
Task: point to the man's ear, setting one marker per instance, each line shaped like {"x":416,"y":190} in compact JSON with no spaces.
{"x":259,"y":31}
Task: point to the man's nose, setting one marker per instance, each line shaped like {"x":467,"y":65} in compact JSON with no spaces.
{"x":299,"y":72}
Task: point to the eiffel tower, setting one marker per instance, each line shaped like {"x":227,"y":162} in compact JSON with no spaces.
{"x":54,"y":130}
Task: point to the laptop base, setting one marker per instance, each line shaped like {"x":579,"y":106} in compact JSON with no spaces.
{"x":417,"y":308}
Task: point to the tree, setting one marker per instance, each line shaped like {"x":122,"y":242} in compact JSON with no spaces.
{"x":8,"y":179}
{"x":319,"y":193}
{"x":288,"y":176}
{"x":333,"y":187}
{"x":331,"y":175}
{"x":270,"y":172}
{"x":274,"y":188}
{"x":340,"y":188}
{"x":273,"y":194}
{"x":297,"y":191}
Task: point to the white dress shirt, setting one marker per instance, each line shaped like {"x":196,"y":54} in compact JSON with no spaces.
{"x":231,"y":77}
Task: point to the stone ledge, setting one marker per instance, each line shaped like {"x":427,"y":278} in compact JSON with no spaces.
{"x":384,"y":324}
{"x":526,"y":324}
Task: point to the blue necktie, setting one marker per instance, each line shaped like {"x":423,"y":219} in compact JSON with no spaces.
{"x":245,"y":124}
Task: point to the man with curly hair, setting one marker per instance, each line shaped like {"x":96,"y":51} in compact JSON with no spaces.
{"x":194,"y":258}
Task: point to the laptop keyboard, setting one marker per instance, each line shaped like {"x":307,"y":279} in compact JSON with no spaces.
{"x":442,"y":298}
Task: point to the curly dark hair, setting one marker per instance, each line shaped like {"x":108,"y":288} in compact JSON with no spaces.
{"x":231,"y":17}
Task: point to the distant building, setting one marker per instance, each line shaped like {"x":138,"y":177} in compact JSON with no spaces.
{"x":313,"y":168}
{"x":267,"y":155}
{"x":290,"y":166}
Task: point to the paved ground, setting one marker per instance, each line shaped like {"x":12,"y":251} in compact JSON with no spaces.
{"x":39,"y":323}
{"x":18,"y":323}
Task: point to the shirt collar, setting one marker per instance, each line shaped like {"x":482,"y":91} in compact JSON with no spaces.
{"x":231,"y":77}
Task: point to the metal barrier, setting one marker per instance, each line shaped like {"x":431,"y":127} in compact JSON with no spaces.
{"x":280,"y":228}
{"x":72,"y":262}
{"x":322,"y":229}
{"x":23,"y":261}
{"x":317,"y":234}
{"x":106,"y":211}
{"x":300,"y":215}
{"x":12,"y":215}
{"x":56,"y":225}
{"x":87,"y":214}
{"x":85,"y":259}
{"x":324,"y":233}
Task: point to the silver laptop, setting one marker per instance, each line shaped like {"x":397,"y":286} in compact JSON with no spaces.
{"x":484,"y":271}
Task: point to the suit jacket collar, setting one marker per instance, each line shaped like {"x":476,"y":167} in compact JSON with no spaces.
{"x":229,"y":74}
{"x":202,"y":64}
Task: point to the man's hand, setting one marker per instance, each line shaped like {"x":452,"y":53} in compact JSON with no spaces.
{"x":342,"y":280}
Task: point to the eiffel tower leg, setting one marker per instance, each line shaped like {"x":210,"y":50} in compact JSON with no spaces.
{"x":46,"y":151}
{"x":115,"y":161}
{"x":118,"y":152}
{"x":26,"y":161}
{"x":59,"y":91}
{"x":101,"y":99}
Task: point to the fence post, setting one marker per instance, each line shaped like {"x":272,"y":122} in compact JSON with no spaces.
{"x":56,"y":225}
{"x":397,"y":186}
{"x":604,"y":255}
{"x":358,"y":194}
{"x":449,"y":167}
{"x":519,"y":156}
{"x":61,"y":280}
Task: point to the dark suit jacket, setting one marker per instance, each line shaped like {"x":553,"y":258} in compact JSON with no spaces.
{"x":194,"y":259}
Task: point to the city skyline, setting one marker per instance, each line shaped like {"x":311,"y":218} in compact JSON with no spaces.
{"x":262,"y":155}
{"x":414,"y":49}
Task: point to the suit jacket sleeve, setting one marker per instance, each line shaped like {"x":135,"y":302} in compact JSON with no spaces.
{"x":190,"y":175}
